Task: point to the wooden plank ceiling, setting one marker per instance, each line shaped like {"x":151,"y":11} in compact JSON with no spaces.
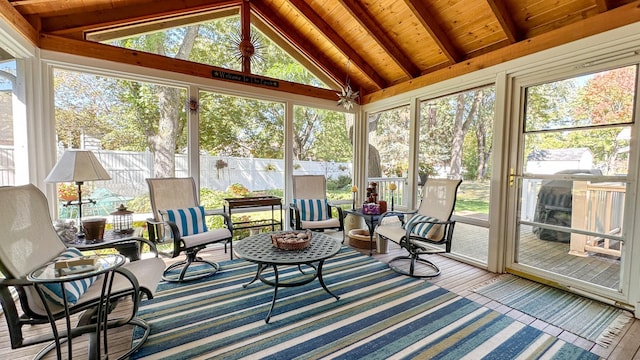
{"x":387,"y":46}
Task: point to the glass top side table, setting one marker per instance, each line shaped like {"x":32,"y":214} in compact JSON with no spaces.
{"x":47,"y":274}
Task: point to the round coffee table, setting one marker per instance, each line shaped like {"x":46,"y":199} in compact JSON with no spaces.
{"x":259,"y":249}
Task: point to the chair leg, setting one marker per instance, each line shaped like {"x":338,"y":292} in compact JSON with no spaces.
{"x":184,"y":265}
{"x":412,"y":262}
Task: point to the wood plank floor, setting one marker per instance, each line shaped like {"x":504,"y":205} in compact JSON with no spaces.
{"x":456,"y":277}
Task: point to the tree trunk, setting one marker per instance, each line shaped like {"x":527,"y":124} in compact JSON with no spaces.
{"x":461,"y":126}
{"x":164,"y":142}
{"x":483,"y":152}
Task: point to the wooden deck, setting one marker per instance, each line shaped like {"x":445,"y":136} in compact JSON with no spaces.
{"x":552,"y":256}
{"x":456,"y":277}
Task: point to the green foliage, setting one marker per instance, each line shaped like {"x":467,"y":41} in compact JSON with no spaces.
{"x":229,"y":121}
{"x":456,"y":132}
{"x":343,"y":182}
{"x":140,"y":204}
{"x":321,"y":135}
{"x":564,"y":108}
{"x":391,"y":140}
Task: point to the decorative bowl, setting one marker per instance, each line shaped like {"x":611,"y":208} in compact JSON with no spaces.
{"x":292,"y":240}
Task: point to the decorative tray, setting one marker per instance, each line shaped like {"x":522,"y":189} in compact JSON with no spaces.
{"x":292,"y":240}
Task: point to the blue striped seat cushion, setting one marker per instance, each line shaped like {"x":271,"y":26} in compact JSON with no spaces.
{"x":73,"y":289}
{"x":189,"y":220}
{"x":312,"y":209}
{"x":427,"y":230}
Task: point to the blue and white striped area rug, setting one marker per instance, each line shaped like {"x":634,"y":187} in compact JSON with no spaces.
{"x":380,"y":315}
{"x":584,"y":317}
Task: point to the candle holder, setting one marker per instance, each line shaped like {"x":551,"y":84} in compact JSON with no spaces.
{"x":354,"y":190}
{"x":393,"y":188}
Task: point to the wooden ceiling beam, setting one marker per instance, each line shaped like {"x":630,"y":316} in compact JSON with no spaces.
{"x":12,"y":17}
{"x":138,"y":13}
{"x":426,"y":18}
{"x":603,"y":5}
{"x":509,"y":27}
{"x":159,"y":62}
{"x":288,"y":32}
{"x":612,"y":19}
{"x":355,"y":58}
{"x":361,"y":15}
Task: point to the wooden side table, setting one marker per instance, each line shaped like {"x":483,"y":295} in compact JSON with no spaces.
{"x":231,"y":204}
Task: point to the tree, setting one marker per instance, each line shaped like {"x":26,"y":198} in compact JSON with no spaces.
{"x":82,"y":107}
{"x":456,"y":133}
{"x":162,"y":128}
{"x":466,"y":113}
{"x":388,"y":138}
{"x":607,"y":98}
{"x":142,"y":115}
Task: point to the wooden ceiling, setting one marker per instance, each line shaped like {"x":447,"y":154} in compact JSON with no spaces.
{"x":388,"y":46}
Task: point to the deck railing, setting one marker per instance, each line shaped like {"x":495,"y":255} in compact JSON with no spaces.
{"x":598,"y":208}
{"x":400,"y":196}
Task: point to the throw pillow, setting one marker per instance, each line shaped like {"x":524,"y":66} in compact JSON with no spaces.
{"x":73,"y":289}
{"x":312,"y":209}
{"x":189,"y":220}
{"x":427,"y":230}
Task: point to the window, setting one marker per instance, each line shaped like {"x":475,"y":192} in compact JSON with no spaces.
{"x":455,"y":140}
{"x":136,"y":129}
{"x":388,"y":153}
{"x":216,"y":42}
{"x":8,"y":74}
{"x":321,"y":146}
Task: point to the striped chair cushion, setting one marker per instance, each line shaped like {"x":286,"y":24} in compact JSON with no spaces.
{"x":312,"y":209}
{"x":73,"y":289}
{"x":189,"y":220}
{"x":427,"y":230}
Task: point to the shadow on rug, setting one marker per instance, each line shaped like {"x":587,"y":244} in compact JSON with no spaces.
{"x":380,"y":315}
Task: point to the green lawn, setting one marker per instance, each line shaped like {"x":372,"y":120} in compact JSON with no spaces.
{"x":473,"y":196}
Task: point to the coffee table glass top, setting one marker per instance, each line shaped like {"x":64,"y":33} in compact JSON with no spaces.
{"x":258,"y":248}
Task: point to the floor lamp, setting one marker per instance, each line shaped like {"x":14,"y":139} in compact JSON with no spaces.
{"x":78,"y":166}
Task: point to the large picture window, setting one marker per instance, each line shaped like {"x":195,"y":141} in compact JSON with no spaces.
{"x":456,"y":141}
{"x":136,"y":129}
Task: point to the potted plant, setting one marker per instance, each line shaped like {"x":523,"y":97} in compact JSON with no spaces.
{"x":238,"y":189}
{"x":68,"y":191}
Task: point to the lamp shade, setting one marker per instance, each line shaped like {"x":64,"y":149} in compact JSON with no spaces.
{"x":77,"y":166}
